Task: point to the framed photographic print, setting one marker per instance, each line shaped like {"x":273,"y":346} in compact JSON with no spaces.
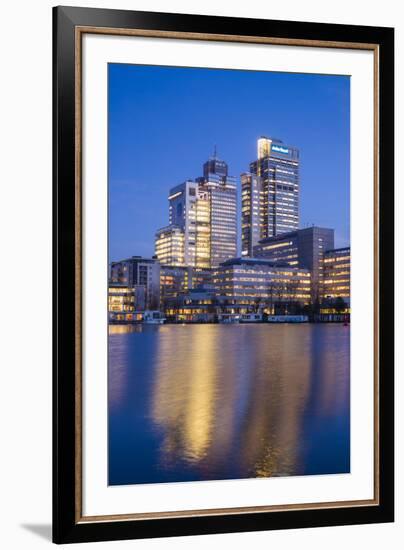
{"x":223,"y":274}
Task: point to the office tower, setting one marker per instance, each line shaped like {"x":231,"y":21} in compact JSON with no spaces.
{"x":220,"y":190}
{"x":182,"y":214}
{"x":139,"y":271}
{"x":251,"y":213}
{"x":336,"y":275}
{"x":270,"y":193}
{"x":186,"y":240}
{"x":304,"y":248}
{"x":203,"y":216}
{"x":277,"y":166}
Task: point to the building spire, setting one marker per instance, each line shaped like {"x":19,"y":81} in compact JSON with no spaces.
{"x":215,"y":151}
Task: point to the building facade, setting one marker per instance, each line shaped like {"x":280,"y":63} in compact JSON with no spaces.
{"x":195,"y":306}
{"x":264,"y":283}
{"x":270,"y":193}
{"x":304,"y":248}
{"x":175,"y":280}
{"x":124,"y":301}
{"x":170,"y":245}
{"x":337,"y":276}
{"x":202,"y":229}
{"x":182,"y":215}
{"x":220,"y":190}
{"x":251,"y":213}
{"x":140,"y":271}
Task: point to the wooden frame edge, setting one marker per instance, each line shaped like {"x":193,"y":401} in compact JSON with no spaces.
{"x":212,"y":37}
{"x":78,"y":278}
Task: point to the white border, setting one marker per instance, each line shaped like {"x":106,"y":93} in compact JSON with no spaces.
{"x":98,"y":498}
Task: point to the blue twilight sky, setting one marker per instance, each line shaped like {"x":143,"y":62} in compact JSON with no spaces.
{"x":165,"y":121}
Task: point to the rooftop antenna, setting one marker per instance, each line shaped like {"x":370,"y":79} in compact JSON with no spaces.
{"x":215,"y":151}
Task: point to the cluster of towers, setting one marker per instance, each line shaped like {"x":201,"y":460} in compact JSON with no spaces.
{"x":281,"y":267}
{"x":202,"y":230}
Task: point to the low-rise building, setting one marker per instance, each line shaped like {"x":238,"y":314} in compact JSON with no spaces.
{"x":266,"y":285}
{"x":139,"y":271}
{"x":303,"y":248}
{"x":175,"y":280}
{"x":124,"y":301}
{"x":204,"y":305}
{"x":336,"y":279}
{"x":196,"y":306}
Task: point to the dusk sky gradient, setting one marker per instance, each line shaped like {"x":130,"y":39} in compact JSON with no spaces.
{"x":165,"y":121}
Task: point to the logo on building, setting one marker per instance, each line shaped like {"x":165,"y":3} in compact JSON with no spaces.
{"x":280,"y":149}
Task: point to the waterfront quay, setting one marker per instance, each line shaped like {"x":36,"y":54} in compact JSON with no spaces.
{"x":240,"y":290}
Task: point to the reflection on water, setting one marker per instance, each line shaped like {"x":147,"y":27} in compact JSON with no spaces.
{"x":203,"y":402}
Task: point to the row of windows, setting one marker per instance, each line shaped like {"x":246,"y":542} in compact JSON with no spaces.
{"x":333,"y":281}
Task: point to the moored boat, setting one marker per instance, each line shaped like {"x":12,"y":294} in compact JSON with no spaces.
{"x":228,"y":318}
{"x":251,"y":318}
{"x":287,"y":319}
{"x":153,"y":317}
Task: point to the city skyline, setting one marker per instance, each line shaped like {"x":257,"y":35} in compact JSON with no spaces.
{"x":133,"y":220}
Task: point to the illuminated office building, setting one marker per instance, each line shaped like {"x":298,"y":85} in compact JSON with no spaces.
{"x":182,"y":214}
{"x":186,"y":240}
{"x":203,"y":218}
{"x":221,"y":191}
{"x":203,"y":231}
{"x":270,"y":193}
{"x":176,"y":280}
{"x":169,"y":245}
{"x":124,"y":301}
{"x":303,"y":248}
{"x":251,"y":213}
{"x":336,"y":275}
{"x":263,"y":280}
{"x":139,"y":271}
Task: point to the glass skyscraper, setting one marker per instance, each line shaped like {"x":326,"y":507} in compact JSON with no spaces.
{"x":270,"y":193}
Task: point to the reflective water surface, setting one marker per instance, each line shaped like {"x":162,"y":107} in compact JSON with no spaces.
{"x":209,"y":402}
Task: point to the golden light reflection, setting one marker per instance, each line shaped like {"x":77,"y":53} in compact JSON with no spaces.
{"x":278,"y":394}
{"x":232,"y":400}
{"x":217,"y":403}
{"x":184,"y":399}
{"x":124,"y":329}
